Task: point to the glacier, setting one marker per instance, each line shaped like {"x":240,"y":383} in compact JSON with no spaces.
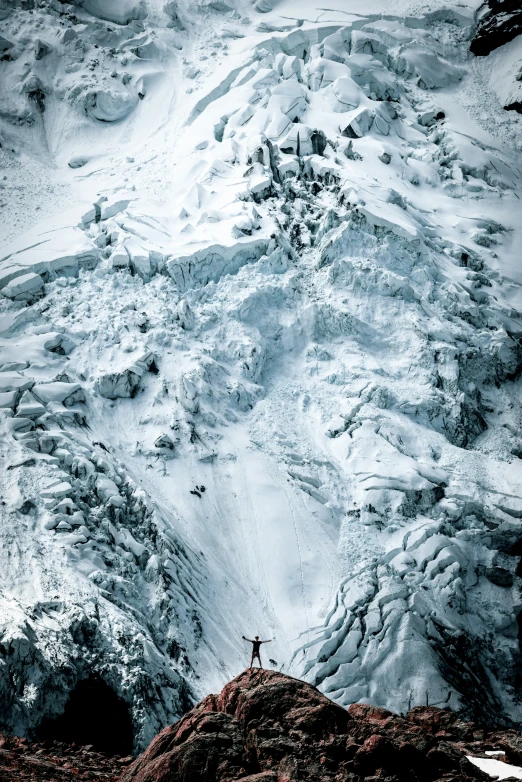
{"x":260,"y":354}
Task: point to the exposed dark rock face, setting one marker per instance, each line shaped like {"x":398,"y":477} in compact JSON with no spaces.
{"x":267,"y":726}
{"x":501,"y":23}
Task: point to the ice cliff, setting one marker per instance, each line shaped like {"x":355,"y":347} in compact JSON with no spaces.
{"x":260,"y":353}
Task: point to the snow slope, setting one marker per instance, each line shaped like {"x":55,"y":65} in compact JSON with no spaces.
{"x":259,"y":355}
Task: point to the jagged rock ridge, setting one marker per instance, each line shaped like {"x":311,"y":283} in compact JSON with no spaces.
{"x":500,"y":23}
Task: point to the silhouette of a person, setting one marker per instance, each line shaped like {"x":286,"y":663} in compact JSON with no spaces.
{"x":256,"y":646}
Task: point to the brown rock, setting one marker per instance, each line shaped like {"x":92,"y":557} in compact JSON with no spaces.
{"x":363,"y":711}
{"x":376,"y":752}
{"x":445,"y":756}
{"x":511,"y":743}
{"x":267,"y":727}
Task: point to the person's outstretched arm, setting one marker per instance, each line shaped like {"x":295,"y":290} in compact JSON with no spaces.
{"x":267,"y":642}
{"x":247,"y":639}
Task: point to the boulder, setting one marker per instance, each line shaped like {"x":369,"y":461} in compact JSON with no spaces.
{"x":21,"y":759}
{"x":210,"y":742}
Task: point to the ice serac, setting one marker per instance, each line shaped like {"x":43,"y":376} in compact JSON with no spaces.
{"x":44,"y":255}
{"x":260,"y":362}
{"x":122,"y":12}
{"x":211,"y":263}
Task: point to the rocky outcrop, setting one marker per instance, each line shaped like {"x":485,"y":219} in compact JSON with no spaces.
{"x":53,"y":760}
{"x":501,"y":23}
{"x":265,"y":726}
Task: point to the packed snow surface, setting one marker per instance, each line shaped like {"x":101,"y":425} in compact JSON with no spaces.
{"x":259,"y":354}
{"x":497,"y":769}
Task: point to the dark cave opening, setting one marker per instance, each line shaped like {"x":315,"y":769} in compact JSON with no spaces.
{"x":95,"y":715}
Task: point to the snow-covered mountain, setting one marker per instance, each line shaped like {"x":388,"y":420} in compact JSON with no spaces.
{"x":260,"y":353}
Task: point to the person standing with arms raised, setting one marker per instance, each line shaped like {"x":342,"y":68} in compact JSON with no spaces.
{"x":256,"y":647}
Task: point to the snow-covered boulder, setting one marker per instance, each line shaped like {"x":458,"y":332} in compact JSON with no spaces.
{"x":126,"y":382}
{"x":110,"y":105}
{"x":344,"y":94}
